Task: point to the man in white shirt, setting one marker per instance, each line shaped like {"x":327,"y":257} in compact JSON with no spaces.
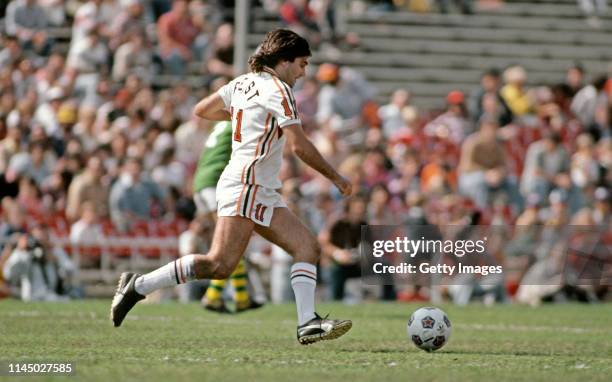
{"x":262,"y":109}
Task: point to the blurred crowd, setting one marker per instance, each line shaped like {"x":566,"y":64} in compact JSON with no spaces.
{"x":93,"y":147}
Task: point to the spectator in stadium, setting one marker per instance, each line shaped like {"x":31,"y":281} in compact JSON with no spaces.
{"x":495,"y":106}
{"x":38,"y":270}
{"x":55,"y":10}
{"x":36,"y":163}
{"x":306,"y":100}
{"x":47,"y":112}
{"x":27,"y":20}
{"x":602,"y":121}
{"x":406,"y":177}
{"x":87,"y":230}
{"x":133,"y":56}
{"x":169,"y":173}
{"x":545,"y":159}
{"x":220,"y":54}
{"x":572,"y":196}
{"x":593,"y":10}
{"x":85,"y":129}
{"x":604,"y":157}
{"x":177,"y":33}
{"x":482,"y":168}
{"x":602,"y":206}
{"x":518,"y":99}
{"x":132,"y":196}
{"x":584,"y":167}
{"x":92,"y":14}
{"x":298,"y":16}
{"x":130,"y":20}
{"x":13,"y":221}
{"x":391,"y":113}
{"x":342,"y":99}
{"x":88,"y":187}
{"x":340,"y":243}
{"x":184,"y":100}
{"x":87,"y":61}
{"x":29,"y":197}
{"x":10,"y":145}
{"x":189,"y":138}
{"x":51,"y":74}
{"x":379,"y":211}
{"x":452,"y":125}
{"x":585,"y":101}
{"x":574,"y":78}
{"x":11,"y":51}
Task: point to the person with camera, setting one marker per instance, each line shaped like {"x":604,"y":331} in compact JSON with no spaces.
{"x":37,"y":270}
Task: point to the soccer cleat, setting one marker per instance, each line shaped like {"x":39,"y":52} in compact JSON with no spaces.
{"x":321,"y":328}
{"x":217,"y":306}
{"x":125,"y":297}
{"x":247,"y":305}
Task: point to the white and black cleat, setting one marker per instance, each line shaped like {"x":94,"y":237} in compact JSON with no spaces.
{"x":322,"y":328}
{"x":125,"y":297}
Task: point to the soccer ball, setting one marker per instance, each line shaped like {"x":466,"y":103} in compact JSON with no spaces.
{"x":429,"y":328}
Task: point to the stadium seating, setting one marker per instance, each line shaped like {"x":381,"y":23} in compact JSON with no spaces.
{"x":432,"y":54}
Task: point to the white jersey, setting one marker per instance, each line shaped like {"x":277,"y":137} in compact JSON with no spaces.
{"x":261,"y":105}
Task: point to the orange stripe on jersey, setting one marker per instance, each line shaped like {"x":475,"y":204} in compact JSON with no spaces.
{"x":239,"y":199}
{"x":288,"y":110}
{"x":270,"y":145}
{"x":259,"y":142}
{"x":253,"y":201}
{"x":251,"y":165}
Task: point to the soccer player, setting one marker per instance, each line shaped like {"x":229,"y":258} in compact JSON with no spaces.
{"x":214,"y":158}
{"x":262,"y":109}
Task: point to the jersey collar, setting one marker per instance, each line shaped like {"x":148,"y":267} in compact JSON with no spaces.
{"x":271,"y":71}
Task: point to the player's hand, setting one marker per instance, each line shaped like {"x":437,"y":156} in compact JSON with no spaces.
{"x":346,"y":189}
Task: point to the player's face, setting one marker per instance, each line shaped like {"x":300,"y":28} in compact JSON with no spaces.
{"x":296,"y":69}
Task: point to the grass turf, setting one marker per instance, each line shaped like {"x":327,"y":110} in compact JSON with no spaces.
{"x":183,"y":342}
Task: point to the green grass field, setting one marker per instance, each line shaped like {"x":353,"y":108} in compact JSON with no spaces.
{"x":182,"y":342}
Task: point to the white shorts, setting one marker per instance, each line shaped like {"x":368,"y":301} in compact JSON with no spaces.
{"x":205,"y":200}
{"x":251,"y":201}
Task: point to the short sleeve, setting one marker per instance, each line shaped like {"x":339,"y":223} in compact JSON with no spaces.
{"x":226,"y":94}
{"x":281,"y":104}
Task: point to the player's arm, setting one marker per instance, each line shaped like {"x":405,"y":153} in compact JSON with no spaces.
{"x":212,"y":108}
{"x":306,"y":151}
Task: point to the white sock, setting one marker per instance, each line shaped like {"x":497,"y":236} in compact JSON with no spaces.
{"x":177,"y":272}
{"x":304,"y":281}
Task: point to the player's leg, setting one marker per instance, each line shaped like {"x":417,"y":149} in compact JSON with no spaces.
{"x":238,"y":280}
{"x":206,"y":203}
{"x":213,"y":298}
{"x":289,"y":233}
{"x":231,"y":237}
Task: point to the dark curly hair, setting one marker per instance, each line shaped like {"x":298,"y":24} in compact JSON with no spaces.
{"x":278,"y":45}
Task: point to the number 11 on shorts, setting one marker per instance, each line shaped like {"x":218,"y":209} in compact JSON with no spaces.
{"x":260,"y":210}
